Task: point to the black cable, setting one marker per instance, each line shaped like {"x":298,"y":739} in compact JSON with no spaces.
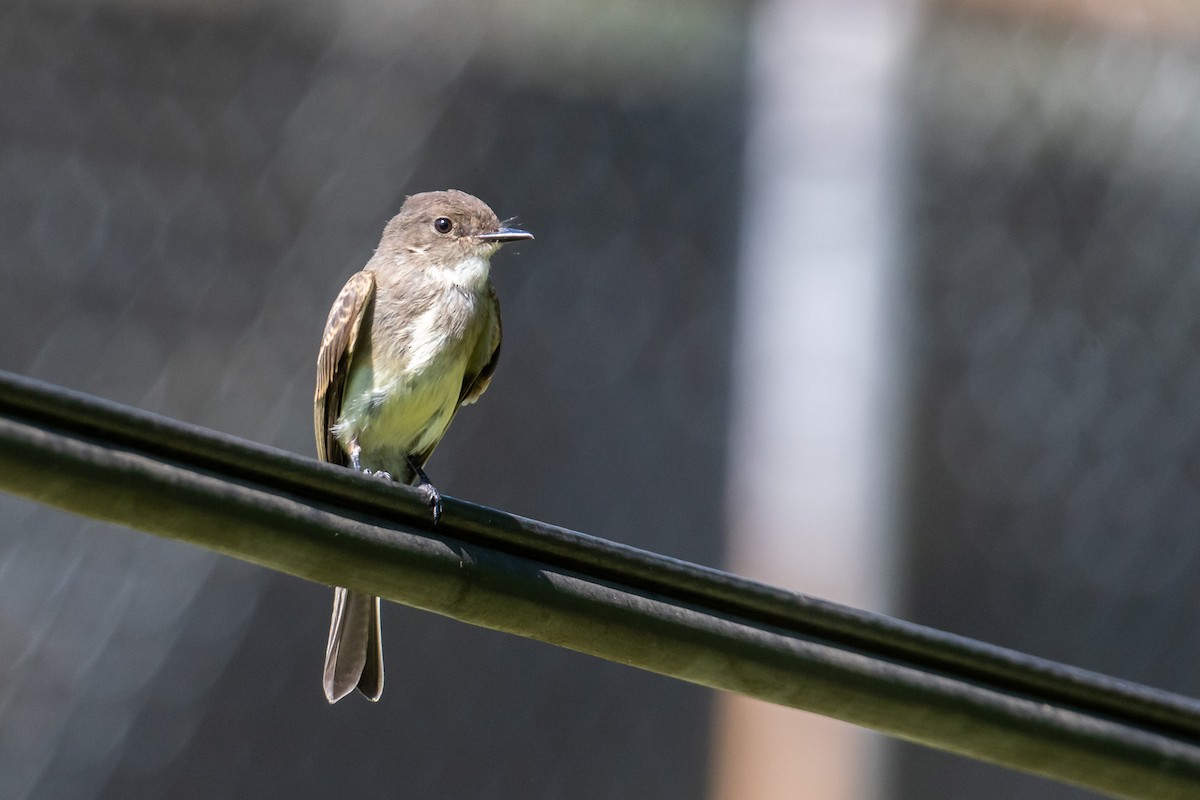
{"x":495,"y":569}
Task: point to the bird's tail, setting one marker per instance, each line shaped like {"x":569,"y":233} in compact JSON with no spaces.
{"x":354,"y":655}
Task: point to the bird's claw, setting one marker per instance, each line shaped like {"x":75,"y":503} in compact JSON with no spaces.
{"x":433,"y":499}
{"x":378,"y":473}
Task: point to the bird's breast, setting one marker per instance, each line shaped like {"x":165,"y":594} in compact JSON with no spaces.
{"x":403,"y":393}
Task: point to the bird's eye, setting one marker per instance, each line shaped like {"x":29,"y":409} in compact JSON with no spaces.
{"x":443,"y":225}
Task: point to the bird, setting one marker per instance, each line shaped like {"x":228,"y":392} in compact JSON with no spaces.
{"x":410,"y":339}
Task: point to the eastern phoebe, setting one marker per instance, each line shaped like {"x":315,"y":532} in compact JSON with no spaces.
{"x":409,"y":339}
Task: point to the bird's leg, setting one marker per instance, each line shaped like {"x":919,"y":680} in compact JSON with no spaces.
{"x":356,"y":463}
{"x":425,"y":487}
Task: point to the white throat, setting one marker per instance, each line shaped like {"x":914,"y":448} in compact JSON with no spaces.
{"x":469,"y":273}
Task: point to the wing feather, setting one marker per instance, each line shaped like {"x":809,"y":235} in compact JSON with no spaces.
{"x":342,"y":333}
{"x":479,"y":371}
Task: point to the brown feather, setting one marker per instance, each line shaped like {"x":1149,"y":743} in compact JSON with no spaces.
{"x":342,"y":331}
{"x":420,"y":311}
{"x":476,"y":383}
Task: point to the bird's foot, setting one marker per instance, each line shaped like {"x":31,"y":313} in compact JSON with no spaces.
{"x":433,"y":497}
{"x":355,"y":462}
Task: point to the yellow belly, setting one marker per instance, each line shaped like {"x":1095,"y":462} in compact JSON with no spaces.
{"x":392,"y":415}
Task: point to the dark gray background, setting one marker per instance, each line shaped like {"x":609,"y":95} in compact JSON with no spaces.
{"x":184,"y":187}
{"x":181,"y":198}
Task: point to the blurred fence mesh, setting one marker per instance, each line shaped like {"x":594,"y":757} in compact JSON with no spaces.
{"x":1051,"y":480}
{"x":184,"y":187}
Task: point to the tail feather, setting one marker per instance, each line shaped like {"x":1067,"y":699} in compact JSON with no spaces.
{"x":354,"y":655}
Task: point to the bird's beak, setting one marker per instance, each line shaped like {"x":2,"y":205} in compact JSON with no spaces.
{"x":504,"y":235}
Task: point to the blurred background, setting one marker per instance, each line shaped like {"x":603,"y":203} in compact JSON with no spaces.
{"x":889,"y":302}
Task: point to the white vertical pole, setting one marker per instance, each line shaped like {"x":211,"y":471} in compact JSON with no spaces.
{"x":817,"y":393}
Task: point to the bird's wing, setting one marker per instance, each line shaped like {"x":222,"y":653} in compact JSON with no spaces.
{"x":483,"y":363}
{"x":342,"y":331}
